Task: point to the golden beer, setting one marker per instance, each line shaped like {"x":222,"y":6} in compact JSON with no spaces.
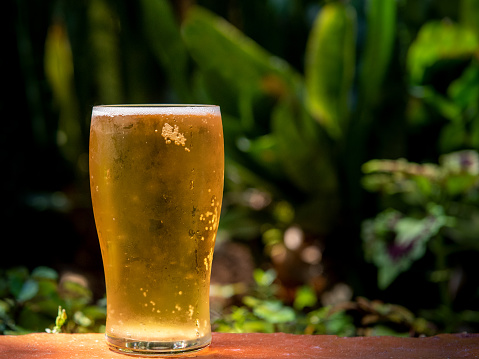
{"x":156,"y":177}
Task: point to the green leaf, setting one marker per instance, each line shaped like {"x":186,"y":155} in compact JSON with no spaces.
{"x":59,"y":62}
{"x":218,"y":46}
{"x":305,"y":297}
{"x":163,"y":34}
{"x":304,"y":150}
{"x":44,"y":273}
{"x":257,"y":326}
{"x":447,"y":108}
{"x":16,"y":277}
{"x":274,"y":312}
{"x":105,"y":51}
{"x":330,"y":66}
{"x":393,"y":242}
{"x":437,"y":41}
{"x":28,"y":291}
{"x":381,"y":29}
{"x":264,"y":278}
{"x":464,"y":91}
{"x":469,"y":15}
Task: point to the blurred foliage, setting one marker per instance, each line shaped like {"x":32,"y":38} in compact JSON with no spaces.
{"x":431,"y":208}
{"x":262,"y":311}
{"x":36,"y":301}
{"x":309,"y":92}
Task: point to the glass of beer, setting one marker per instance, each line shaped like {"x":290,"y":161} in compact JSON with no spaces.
{"x":156,"y":178}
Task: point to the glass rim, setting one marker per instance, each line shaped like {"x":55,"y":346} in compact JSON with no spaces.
{"x":155,"y":109}
{"x":156,"y":105}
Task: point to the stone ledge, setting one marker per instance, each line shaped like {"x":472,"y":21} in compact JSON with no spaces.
{"x":278,"y":345}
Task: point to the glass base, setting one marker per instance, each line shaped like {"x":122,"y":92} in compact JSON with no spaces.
{"x":156,"y":348}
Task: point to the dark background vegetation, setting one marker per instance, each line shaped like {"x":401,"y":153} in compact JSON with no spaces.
{"x":311,"y":92}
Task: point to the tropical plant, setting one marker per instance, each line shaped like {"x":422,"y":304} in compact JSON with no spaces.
{"x":431,"y":208}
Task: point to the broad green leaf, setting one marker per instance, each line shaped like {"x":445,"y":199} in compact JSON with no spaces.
{"x":211,"y":87}
{"x":28,"y":291}
{"x":393,"y":242}
{"x":304,"y":150}
{"x":163,"y":34}
{"x":59,"y":72}
{"x":469,"y":15}
{"x":330,"y":65}
{"x":438,"y":41}
{"x":218,"y":46}
{"x":44,"y":273}
{"x":16,"y":277}
{"x":464,"y":91}
{"x":105,"y":52}
{"x":380,"y":32}
{"x":59,"y":62}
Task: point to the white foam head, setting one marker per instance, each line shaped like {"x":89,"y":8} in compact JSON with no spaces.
{"x":153,"y":109}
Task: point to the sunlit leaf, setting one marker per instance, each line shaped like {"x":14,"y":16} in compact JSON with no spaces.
{"x":59,"y":61}
{"x":305,"y":297}
{"x":218,"y":46}
{"x":264,"y":278}
{"x":330,"y":65}
{"x":59,"y":72}
{"x":438,"y":41}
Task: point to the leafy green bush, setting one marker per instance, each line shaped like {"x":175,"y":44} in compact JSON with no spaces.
{"x":431,"y":208}
{"x":33,"y":302}
{"x":263,"y":312}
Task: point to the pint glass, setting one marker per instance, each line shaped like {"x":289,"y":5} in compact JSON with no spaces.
{"x":156,"y":178}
